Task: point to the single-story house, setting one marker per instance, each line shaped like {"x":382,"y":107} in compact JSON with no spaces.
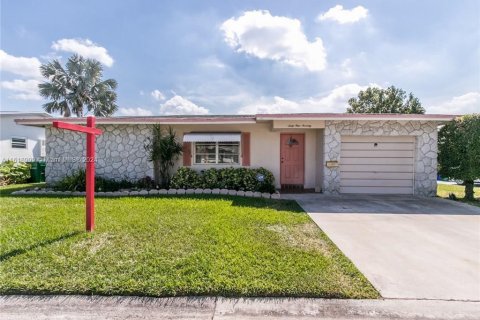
{"x":324,"y":152}
{"x":20,"y":143}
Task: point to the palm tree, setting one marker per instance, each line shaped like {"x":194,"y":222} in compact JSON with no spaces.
{"x":77,"y":86}
{"x":163,"y":150}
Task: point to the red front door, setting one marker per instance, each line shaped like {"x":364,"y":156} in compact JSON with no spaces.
{"x":292,"y":161}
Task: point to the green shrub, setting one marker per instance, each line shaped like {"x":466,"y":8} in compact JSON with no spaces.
{"x":268,"y":183}
{"x":246,"y":179}
{"x":107,"y":185}
{"x":232,"y":178}
{"x":74,"y":182}
{"x":211,"y":179}
{"x":145,"y":183}
{"x":186,"y":178}
{"x":14,"y":172}
{"x":77,"y":182}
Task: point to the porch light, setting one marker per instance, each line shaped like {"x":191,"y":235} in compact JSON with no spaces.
{"x":292,"y":141}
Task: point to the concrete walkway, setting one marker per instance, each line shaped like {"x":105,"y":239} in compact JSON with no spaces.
{"x":102,"y":308}
{"x":408,"y":247}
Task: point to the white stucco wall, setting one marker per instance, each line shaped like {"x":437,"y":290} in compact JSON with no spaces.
{"x":9,"y":129}
{"x":264,"y":147}
{"x":120,"y":152}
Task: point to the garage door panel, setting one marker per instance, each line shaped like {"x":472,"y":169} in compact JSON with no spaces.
{"x":378,"y":139}
{"x":376,"y":175}
{"x":376,"y":183}
{"x":377,"y":190}
{"x":376,"y":168}
{"x":376,"y":153}
{"x":377,"y":164}
{"x":377,"y":146}
{"x":407,"y":161}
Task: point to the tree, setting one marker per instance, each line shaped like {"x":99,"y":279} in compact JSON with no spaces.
{"x":459,"y":151}
{"x":163,"y":150}
{"x":390,"y":100}
{"x":78,"y":86}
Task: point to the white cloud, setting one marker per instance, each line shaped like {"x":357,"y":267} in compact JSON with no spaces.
{"x":343,"y":16}
{"x":179,"y":105}
{"x":135,"y":112}
{"x":277,"y":38}
{"x":22,"y":66}
{"x":23,"y":89}
{"x":157,"y":95}
{"x":212,"y":62}
{"x":269,"y":105}
{"x":346,"y":68}
{"x":85,"y":48}
{"x":334,"y":101}
{"x":466,"y":103}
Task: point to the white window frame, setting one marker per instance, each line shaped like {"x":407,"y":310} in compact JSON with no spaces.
{"x":23,"y":138}
{"x":194,"y":153}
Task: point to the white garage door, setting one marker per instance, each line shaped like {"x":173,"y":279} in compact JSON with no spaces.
{"x":370,"y":164}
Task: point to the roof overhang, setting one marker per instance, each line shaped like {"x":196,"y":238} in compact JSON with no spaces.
{"x":17,"y":114}
{"x":242,"y":119}
{"x":355,"y":116}
{"x":177,"y":120}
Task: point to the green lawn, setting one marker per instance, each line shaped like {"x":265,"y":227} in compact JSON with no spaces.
{"x":5,"y":190}
{"x":168,"y":246}
{"x":443,"y":190}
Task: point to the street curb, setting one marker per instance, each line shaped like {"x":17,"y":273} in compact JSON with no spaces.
{"x":116,"y":307}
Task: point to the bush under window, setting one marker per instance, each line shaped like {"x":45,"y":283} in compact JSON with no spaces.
{"x":246,"y":179}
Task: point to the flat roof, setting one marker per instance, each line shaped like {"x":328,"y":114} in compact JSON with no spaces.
{"x":239,"y":119}
{"x":227,"y":119}
{"x":25,"y":113}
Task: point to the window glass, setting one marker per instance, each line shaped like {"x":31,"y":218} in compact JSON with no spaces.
{"x":205,"y":152}
{"x":228,"y":152}
{"x":205,"y":147}
{"x":217,"y":153}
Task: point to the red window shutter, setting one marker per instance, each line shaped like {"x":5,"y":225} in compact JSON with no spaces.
{"x":246,"y":149}
{"x":187,"y":154}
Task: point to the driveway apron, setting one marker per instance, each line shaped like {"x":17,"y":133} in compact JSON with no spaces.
{"x":408,"y":247}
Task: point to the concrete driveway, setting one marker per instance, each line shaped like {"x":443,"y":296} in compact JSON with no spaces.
{"x":408,"y":247}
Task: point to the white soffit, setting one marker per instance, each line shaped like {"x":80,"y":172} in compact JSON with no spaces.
{"x":211,"y":137}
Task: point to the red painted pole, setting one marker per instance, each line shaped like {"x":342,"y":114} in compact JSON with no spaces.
{"x":90,"y":162}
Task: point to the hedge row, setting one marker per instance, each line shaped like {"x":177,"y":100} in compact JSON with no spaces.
{"x":243,"y":179}
{"x":77,"y":182}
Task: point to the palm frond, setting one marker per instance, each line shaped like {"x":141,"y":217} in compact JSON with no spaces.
{"x":78,"y":88}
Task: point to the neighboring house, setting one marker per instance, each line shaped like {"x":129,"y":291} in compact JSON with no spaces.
{"x":332,"y":153}
{"x":20,"y":143}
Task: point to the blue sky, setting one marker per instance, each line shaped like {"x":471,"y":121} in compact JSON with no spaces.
{"x":229,"y":57}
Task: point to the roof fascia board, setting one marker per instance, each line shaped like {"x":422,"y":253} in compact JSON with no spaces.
{"x":45,"y":122}
{"x":340,"y":118}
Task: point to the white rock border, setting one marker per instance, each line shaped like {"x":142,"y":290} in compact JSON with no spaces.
{"x":154,"y":193}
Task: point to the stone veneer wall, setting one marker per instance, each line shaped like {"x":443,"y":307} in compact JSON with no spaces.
{"x":120,"y":152}
{"x":425,"y":153}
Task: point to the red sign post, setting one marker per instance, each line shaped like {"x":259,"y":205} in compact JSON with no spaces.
{"x":91,"y":131}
